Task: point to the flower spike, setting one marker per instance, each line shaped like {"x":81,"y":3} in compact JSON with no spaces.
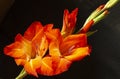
{"x":48,"y":51}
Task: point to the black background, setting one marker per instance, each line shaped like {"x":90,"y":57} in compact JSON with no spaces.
{"x":104,"y":61}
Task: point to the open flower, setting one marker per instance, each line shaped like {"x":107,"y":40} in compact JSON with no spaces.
{"x":29,"y":49}
{"x":47,"y":51}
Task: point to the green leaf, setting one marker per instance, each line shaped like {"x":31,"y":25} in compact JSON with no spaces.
{"x":91,"y":33}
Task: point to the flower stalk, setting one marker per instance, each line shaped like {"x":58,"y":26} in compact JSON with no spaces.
{"x":22,"y":74}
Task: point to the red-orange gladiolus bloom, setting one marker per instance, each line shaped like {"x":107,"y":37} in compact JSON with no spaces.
{"x":47,"y":51}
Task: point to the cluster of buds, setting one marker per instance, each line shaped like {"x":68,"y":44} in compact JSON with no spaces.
{"x":97,"y":15}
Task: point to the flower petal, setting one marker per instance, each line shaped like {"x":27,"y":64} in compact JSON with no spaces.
{"x":53,"y":35}
{"x":40,"y":43}
{"x":63,"y":66}
{"x":32,"y":65}
{"x":20,"y":61}
{"x":36,"y":62}
{"x":54,"y":49}
{"x":46,"y":67}
{"x":33,"y":30}
{"x":43,"y":47}
{"x":19,"y":48}
{"x":14,"y":50}
{"x":78,"y":54}
{"x":71,"y":42}
{"x":48,"y":27}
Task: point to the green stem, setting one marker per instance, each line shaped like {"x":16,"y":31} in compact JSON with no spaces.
{"x":22,"y":74}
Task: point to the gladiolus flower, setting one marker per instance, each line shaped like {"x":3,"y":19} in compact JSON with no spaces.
{"x":47,"y":51}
